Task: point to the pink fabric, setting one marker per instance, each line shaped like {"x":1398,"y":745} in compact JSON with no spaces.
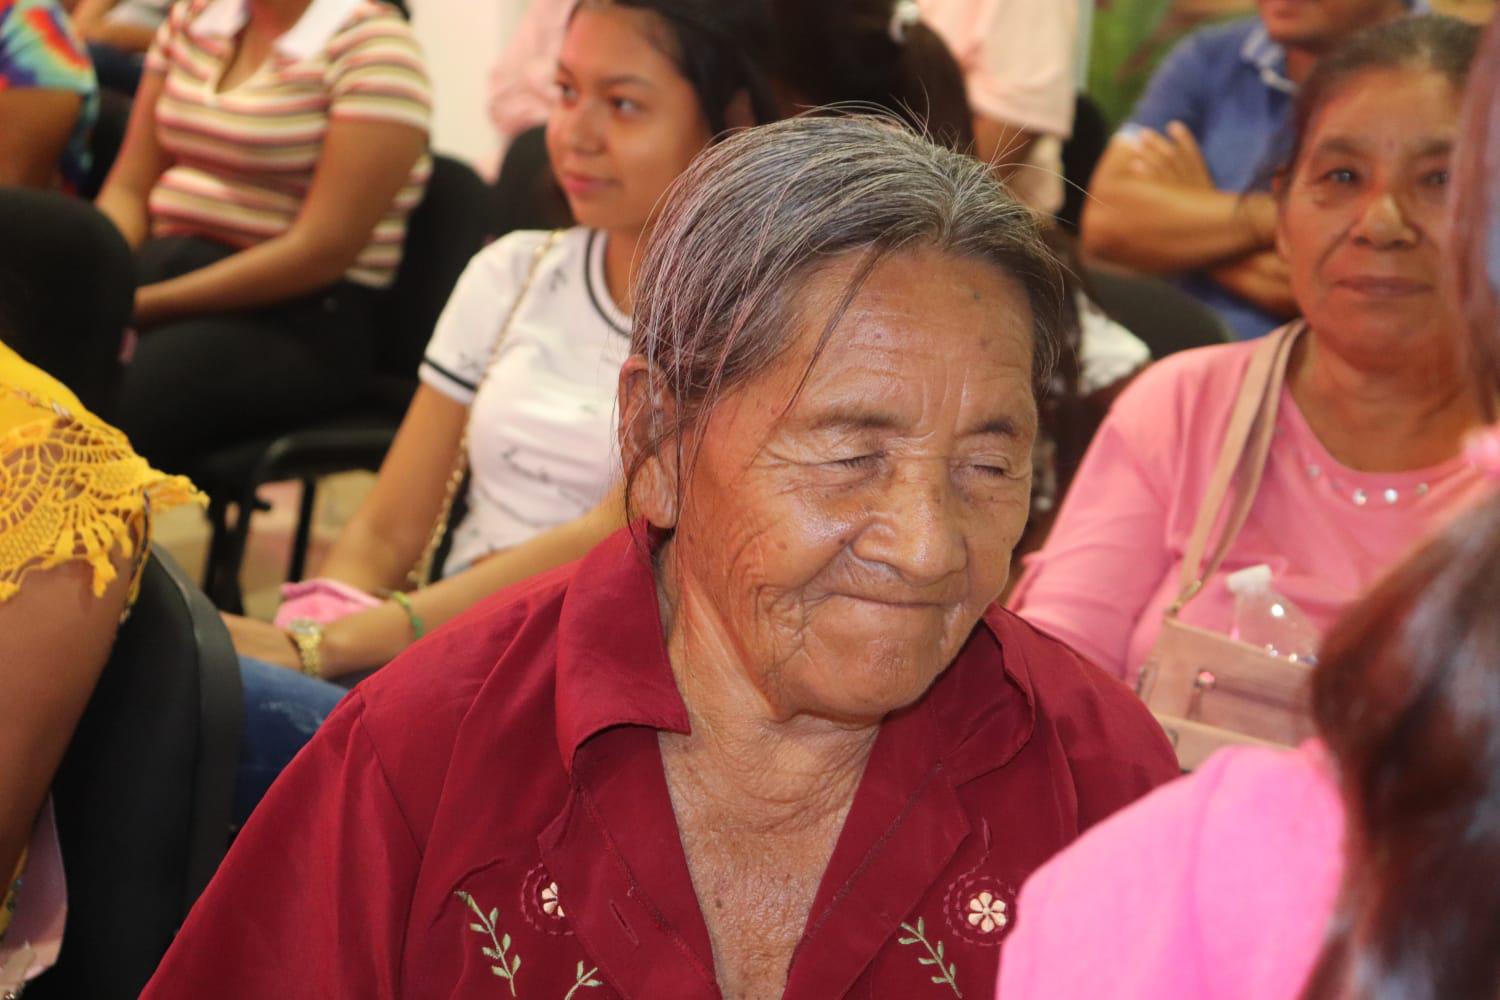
{"x":323,"y":600}
{"x":1016,"y":55}
{"x":1110,"y":567}
{"x":34,"y":938}
{"x":1218,"y":885}
{"x":521,"y":84}
{"x":1483,"y":451}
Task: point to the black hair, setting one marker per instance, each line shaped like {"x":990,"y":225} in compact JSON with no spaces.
{"x":721,"y":48}
{"x":835,"y":52}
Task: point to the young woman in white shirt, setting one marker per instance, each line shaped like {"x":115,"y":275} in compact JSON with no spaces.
{"x":643,"y":86}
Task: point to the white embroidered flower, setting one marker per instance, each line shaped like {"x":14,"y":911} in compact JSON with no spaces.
{"x":550,"y":904}
{"x":987,"y":912}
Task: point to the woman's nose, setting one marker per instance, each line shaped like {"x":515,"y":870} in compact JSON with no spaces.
{"x":917,"y":529}
{"x":580,"y":129}
{"x":1383,"y":222}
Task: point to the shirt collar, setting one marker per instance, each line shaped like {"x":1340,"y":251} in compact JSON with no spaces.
{"x":1268,"y":58}
{"x":305,"y":39}
{"x":612,"y":670}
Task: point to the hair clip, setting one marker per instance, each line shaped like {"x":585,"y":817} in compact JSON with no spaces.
{"x":1482,"y":449}
{"x":905,"y":14}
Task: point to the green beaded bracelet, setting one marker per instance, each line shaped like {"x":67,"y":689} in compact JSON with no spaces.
{"x":418,"y":629}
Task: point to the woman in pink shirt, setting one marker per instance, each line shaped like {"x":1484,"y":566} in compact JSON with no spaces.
{"x":1365,"y":461}
{"x":1366,"y":865}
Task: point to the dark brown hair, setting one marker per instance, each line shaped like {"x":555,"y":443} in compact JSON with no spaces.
{"x":1476,"y":214}
{"x":843,"y":52}
{"x":1407,"y":698}
{"x":721,"y":47}
{"x":1443,"y":45}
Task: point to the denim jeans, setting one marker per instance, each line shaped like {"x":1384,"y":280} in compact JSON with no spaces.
{"x":282,"y":711}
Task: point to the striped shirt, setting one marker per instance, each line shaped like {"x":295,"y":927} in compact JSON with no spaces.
{"x":242,"y":160}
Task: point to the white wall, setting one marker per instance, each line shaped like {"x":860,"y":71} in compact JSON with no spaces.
{"x":462,"y":39}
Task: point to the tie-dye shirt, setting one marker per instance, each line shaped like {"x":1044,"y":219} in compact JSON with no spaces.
{"x":39,"y":48}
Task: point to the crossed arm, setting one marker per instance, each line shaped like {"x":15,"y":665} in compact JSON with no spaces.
{"x":1154,"y":208}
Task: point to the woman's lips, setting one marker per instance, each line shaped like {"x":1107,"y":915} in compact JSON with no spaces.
{"x":1383,"y":287}
{"x":581,"y":185}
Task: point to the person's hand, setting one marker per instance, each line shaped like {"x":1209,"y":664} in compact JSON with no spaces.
{"x":150,"y":308}
{"x":1173,"y":158}
{"x":260,"y":640}
{"x":1262,"y":278}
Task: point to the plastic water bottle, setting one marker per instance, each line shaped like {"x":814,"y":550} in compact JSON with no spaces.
{"x":1264,"y":618}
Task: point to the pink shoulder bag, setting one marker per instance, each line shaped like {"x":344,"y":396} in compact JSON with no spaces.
{"x":1206,"y":689}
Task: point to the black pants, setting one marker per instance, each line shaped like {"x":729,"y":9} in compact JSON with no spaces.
{"x":66,"y":291}
{"x":199,"y":384}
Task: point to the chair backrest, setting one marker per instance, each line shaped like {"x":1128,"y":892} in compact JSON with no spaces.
{"x":526,"y":195}
{"x":106,"y":138}
{"x":144,"y":794}
{"x":447,"y":229}
{"x":1164,"y":316}
{"x":52,"y":247}
{"x":1080,"y":155}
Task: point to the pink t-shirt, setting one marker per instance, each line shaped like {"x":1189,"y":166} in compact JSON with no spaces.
{"x":1219,"y":884}
{"x":1110,"y":566}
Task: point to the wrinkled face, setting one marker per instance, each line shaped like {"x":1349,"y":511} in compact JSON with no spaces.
{"x":1364,"y":217}
{"x":626,"y":122}
{"x":844,"y":544}
{"x":1322,"y":24}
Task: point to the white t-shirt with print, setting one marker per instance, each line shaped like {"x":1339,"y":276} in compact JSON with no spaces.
{"x":542,"y":427}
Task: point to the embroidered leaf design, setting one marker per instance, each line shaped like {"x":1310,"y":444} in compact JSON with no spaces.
{"x":934,"y":956}
{"x":507,"y":967}
{"x":583,"y":980}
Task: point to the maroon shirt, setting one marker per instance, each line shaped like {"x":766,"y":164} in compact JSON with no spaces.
{"x":489,"y":817}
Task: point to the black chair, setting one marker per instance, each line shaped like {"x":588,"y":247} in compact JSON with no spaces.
{"x":144,"y":794}
{"x":67,"y":286}
{"x":1080,"y":155}
{"x":526,"y":195}
{"x":1161,"y":314}
{"x":444,"y":232}
{"x":106,"y":139}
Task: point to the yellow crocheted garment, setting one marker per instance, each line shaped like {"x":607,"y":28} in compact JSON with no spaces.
{"x":71,"y":488}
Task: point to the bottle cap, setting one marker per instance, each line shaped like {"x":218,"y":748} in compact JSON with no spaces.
{"x":1250,"y":580}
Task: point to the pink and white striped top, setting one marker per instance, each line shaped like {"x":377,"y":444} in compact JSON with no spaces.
{"x":242,"y":160}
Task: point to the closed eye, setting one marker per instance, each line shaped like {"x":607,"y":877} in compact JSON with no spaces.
{"x":856,"y":461}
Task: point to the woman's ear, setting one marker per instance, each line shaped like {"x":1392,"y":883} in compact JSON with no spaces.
{"x":649,"y":442}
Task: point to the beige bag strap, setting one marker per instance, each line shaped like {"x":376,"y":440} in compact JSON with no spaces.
{"x":1247,"y":444}
{"x":418,"y":577}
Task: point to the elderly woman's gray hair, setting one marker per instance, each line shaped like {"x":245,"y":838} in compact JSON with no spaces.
{"x":755,"y":216}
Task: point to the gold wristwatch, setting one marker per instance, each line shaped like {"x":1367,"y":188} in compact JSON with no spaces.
{"x":307,"y":635}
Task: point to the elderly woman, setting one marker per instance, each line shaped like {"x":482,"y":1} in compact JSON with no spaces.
{"x":1366,"y":863}
{"x":1365,"y":461}
{"x":774,"y":739}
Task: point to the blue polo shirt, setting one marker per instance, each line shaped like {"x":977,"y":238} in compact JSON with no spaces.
{"x":1227,"y":83}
